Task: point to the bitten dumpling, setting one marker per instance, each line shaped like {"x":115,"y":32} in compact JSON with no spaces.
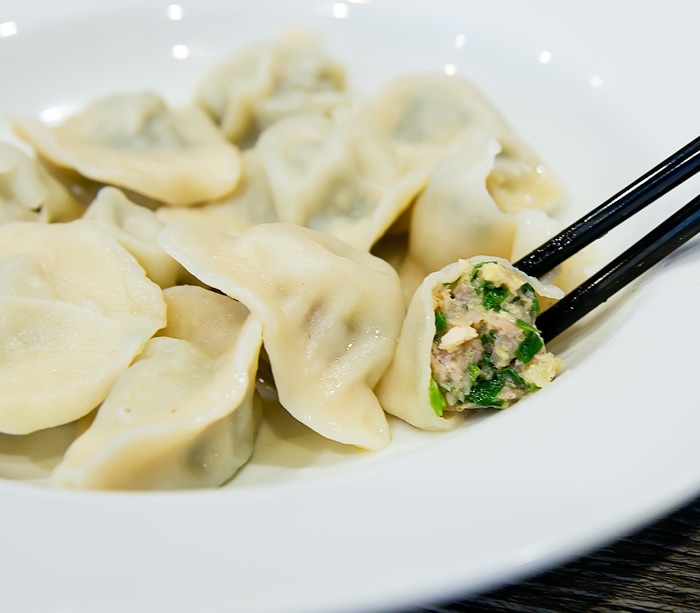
{"x":75,"y":309}
{"x":29,"y":193}
{"x":268,"y":82}
{"x":184,"y":414}
{"x":134,"y":141}
{"x":468,"y":341}
{"x":331,"y":315}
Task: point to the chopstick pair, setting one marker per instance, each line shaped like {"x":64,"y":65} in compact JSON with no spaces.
{"x":660,"y":242}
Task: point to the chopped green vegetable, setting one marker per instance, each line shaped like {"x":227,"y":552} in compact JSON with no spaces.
{"x":487,"y":338}
{"x":440,"y":322}
{"x":473,"y":371}
{"x":526,"y":326}
{"x":484,"y":392}
{"x":493,"y":296}
{"x":513,"y":376}
{"x":529,"y":347}
{"x":437,"y":398}
{"x":527,"y":290}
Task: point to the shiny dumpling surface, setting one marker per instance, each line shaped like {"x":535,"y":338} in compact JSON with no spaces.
{"x":76,"y":309}
{"x":331,"y":315}
{"x":136,"y":142}
{"x":183,"y":415}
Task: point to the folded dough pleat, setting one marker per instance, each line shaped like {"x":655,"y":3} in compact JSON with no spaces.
{"x":331,"y":315}
{"x":184,"y":414}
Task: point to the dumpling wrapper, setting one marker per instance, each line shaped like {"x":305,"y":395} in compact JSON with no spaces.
{"x":267,"y":82}
{"x":456,"y":216}
{"x":333,"y":176}
{"x":331,"y":315}
{"x":134,"y":141}
{"x":184,"y":414}
{"x":249,"y":204}
{"x":425,"y":118}
{"x":29,"y":193}
{"x":75,"y":309}
{"x":404,"y":388}
{"x":136,"y":228}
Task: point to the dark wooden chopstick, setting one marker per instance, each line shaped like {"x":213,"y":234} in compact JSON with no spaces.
{"x":659,"y":180}
{"x":655,"y":246}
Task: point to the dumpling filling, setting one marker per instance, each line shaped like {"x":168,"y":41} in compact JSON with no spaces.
{"x":487,"y":351}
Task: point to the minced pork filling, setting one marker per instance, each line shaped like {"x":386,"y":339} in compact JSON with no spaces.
{"x":487,"y":351}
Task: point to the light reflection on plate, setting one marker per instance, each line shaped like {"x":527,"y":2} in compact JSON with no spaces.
{"x":310,"y":525}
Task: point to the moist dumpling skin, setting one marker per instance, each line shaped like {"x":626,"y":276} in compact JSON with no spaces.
{"x":331,"y":315}
{"x":468,"y":341}
{"x":136,"y":142}
{"x":67,"y":329}
{"x":184,"y":414}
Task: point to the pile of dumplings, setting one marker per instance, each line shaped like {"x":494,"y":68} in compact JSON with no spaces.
{"x":151,"y":258}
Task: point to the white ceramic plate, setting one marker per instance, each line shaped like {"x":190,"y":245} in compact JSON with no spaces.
{"x":602,"y":90}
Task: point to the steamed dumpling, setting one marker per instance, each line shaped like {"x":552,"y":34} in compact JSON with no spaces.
{"x":425,"y":118}
{"x":335,"y":177}
{"x":76,"y":309}
{"x":268,"y":82}
{"x":250,"y":203}
{"x":183,"y":415}
{"x":331,"y":315}
{"x":457,"y":217}
{"x":136,"y":229}
{"x":134,"y":141}
{"x":29,"y":193}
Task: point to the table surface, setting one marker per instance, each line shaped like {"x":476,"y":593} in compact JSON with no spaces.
{"x":655,"y":569}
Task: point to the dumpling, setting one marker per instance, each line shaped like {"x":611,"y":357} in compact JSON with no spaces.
{"x":457,"y":217}
{"x":250,"y":203}
{"x":333,"y":176}
{"x":75,"y":309}
{"x":134,"y":141}
{"x":468,"y":341}
{"x":331,"y":315}
{"x":136,"y":229}
{"x":268,"y":82}
{"x":425,"y":118}
{"x":29,"y":193}
{"x":183,"y":415}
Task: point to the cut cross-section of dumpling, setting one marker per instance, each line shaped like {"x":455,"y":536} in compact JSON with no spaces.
{"x":184,"y":414}
{"x":29,"y":193}
{"x":270,"y":81}
{"x":331,"y":315}
{"x":468,"y":341}
{"x":75,"y":309}
{"x":136,"y":229}
{"x":134,"y":141}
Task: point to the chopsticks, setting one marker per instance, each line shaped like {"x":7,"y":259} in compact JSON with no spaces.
{"x":668,"y":236}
